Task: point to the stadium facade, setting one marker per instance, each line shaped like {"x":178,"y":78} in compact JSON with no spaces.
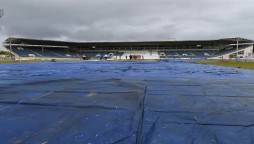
{"x":23,"y":48}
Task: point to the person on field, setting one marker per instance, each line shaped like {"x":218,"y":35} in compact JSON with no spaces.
{"x":105,"y":56}
{"x":130,"y":57}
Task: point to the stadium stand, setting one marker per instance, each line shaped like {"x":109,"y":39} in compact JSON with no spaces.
{"x":171,"y":54}
{"x":92,"y":54}
{"x":142,"y":54}
{"x":44,"y":52}
{"x":198,"y":54}
{"x":24,"y":52}
{"x":187,"y":54}
{"x":119,"y":50}
{"x":229,"y":50}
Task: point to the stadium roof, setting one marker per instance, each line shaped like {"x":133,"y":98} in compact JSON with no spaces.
{"x":67,"y":43}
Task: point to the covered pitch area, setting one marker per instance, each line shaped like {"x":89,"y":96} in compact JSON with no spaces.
{"x":125,"y":102}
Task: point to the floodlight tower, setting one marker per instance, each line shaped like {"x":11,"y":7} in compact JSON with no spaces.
{"x":237,"y":47}
{"x":1,"y":13}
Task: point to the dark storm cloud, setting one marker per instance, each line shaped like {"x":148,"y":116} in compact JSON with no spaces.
{"x":116,"y":20}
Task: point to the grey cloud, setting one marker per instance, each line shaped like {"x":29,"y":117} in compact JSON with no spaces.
{"x":116,"y":20}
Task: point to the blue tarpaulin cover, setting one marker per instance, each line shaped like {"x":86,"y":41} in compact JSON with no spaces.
{"x":125,"y":102}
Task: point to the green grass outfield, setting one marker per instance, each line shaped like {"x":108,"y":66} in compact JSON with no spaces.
{"x":245,"y":65}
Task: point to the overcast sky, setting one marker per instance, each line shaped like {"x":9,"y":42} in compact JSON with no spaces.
{"x":122,"y":20}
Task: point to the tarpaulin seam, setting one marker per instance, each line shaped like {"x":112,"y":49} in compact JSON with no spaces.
{"x":140,"y":127}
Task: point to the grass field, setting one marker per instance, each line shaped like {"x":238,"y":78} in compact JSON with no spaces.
{"x":245,"y":65}
{"x":21,"y":61}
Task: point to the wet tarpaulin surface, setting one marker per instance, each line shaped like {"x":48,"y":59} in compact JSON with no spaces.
{"x":125,"y":102}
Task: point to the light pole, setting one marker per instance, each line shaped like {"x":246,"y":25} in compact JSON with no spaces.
{"x":1,"y":13}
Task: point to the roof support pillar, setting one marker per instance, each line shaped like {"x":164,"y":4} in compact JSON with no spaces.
{"x":10,"y":45}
